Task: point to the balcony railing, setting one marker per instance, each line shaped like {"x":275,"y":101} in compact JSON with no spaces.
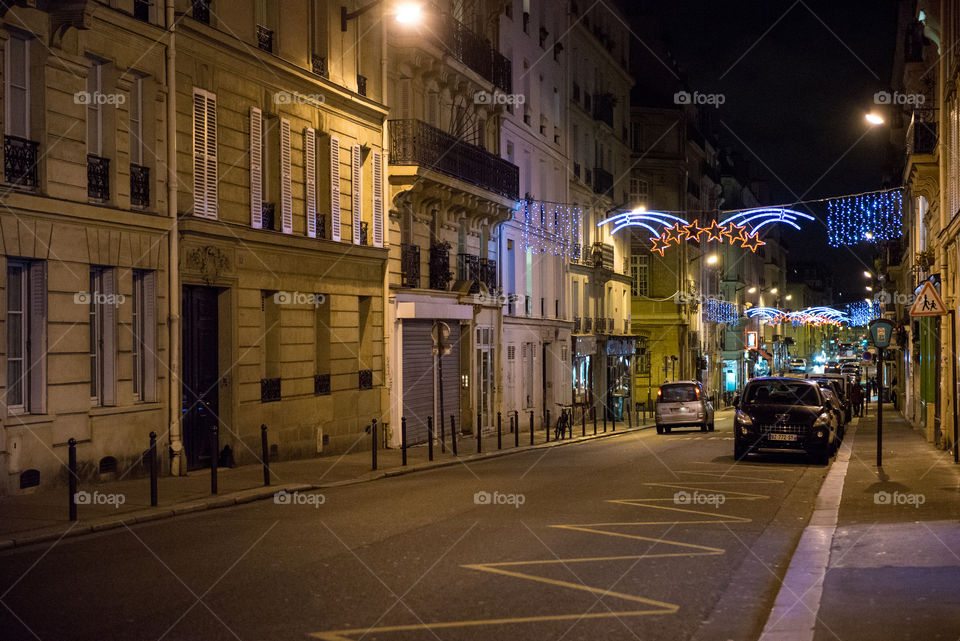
{"x":267,"y":215}
{"x":414,"y":142}
{"x":474,"y":51}
{"x":603,"y":255}
{"x":365,"y":379}
{"x":599,"y":324}
{"x":361,"y":85}
{"x":587,"y":324}
{"x":319,"y":65}
{"x":265,"y":38}
{"x":321,"y":385}
{"x":139,"y":186}
{"x":439,"y":266}
{"x":269,"y":390}
{"x":201,"y":10}
{"x":576,"y":325}
{"x":98,"y":177}
{"x":364,"y":230}
{"x":20,"y":161}
{"x":602,"y":182}
{"x":921,"y":137}
{"x":610,"y":326}
{"x":626,"y":325}
{"x":409,"y":265}
{"x":603,"y":108}
{"x":488,"y":273}
{"x":528,"y":305}
{"x":468,"y":267}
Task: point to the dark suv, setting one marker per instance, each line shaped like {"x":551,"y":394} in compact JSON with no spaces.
{"x":784,"y":414}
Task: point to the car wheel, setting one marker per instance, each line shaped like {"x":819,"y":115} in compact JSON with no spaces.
{"x":666,"y":429}
{"x":659,"y":428}
{"x":703,"y":427}
{"x":823,"y":457}
{"x":712,"y":426}
{"x":740,"y":451}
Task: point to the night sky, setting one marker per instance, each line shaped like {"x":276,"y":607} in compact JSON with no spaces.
{"x":797,"y":77}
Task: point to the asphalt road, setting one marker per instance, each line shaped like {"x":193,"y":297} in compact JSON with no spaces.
{"x":587,"y":541}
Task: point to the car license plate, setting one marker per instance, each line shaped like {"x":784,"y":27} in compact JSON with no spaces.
{"x":782,"y":437}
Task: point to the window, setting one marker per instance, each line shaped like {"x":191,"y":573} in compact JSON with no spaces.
{"x":94,"y":109}
{"x":144,"y":323}
{"x":26,"y":339}
{"x":136,"y":121}
{"x":639,"y":191}
{"x":17,"y":87}
{"x":204,"y":153}
{"x":103,"y":300}
{"x":640,"y":275}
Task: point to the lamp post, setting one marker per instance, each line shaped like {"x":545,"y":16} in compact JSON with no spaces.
{"x":406,"y":12}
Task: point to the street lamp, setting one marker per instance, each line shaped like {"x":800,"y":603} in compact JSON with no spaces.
{"x":752,"y":290}
{"x":406,"y":13}
{"x":874,"y":119}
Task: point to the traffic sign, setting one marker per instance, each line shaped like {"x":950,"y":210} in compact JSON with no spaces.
{"x":881,"y":331}
{"x":928,"y":302}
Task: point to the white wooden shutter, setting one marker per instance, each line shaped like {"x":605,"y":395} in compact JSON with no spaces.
{"x":356,"y":188}
{"x":37,"y":337}
{"x":334,"y":188}
{"x":109,"y":339}
{"x":310,"y":179}
{"x":377,"y":199}
{"x":256,"y":168}
{"x":199,"y":147}
{"x":286,"y":180}
{"x":210,"y":175}
{"x":149,"y":336}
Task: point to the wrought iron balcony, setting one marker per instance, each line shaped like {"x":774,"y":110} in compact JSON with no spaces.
{"x":603,"y":255}
{"x":409,"y":265}
{"x":269,"y":390}
{"x":364,"y":230}
{"x":267,"y":215}
{"x":414,"y":142}
{"x":265,"y":38}
{"x":603,"y":108}
{"x":139,"y":186}
{"x":474,"y":51}
{"x":598,"y":324}
{"x":576,"y":324}
{"x":319,"y":65}
{"x":626,"y":325}
{"x":366,"y":379}
{"x":468,"y":267}
{"x":488,"y":273}
{"x":201,"y":10}
{"x":20,"y":161}
{"x":440,"y":266}
{"x":361,"y":85}
{"x":511,"y":304}
{"x":610,"y":326}
{"x":528,"y":305}
{"x":587,"y":324}
{"x":141,"y":10}
{"x":321,"y":385}
{"x":98,"y":177}
{"x":921,"y":137}
{"x":576,"y":170}
{"x":602,"y":182}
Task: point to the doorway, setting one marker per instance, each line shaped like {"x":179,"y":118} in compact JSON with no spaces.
{"x":201,"y":373}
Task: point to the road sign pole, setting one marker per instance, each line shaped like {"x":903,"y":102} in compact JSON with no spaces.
{"x":879,"y":407}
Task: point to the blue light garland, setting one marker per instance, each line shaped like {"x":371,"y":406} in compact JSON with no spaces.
{"x":719,"y":311}
{"x":550,"y":228}
{"x":867,"y":218}
{"x":861,"y":313}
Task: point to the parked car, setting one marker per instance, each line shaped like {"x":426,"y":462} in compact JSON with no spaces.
{"x":836,"y":400}
{"x":784,"y":414}
{"x":683,"y":404}
{"x":797,"y":366}
{"x":843,"y":388}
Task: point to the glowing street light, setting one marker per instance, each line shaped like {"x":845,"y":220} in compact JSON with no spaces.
{"x":867,"y":274}
{"x":789,"y":297}
{"x":869,"y":289}
{"x":773,"y":291}
{"x":874,"y":118}
{"x":752,"y":290}
{"x":408,"y":12}
{"x":712,"y":259}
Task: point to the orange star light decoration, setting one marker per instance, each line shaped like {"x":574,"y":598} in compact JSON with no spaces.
{"x":753,"y":243}
{"x":681,"y":232}
{"x":693,"y":230}
{"x":714,"y":231}
{"x":740,"y":237}
{"x":659,"y":245}
{"x":669,"y":236}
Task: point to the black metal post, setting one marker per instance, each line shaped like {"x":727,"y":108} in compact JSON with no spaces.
{"x":443,"y":434}
{"x":583,"y":421}
{"x":429,"y":438}
{"x":479,"y":432}
{"x":516,"y":428}
{"x":214,"y":453}
{"x":403,"y":440}
{"x":265,"y":455}
{"x":453,"y":435}
{"x":953,"y":359}
{"x":499,"y":434}
{"x":373,"y":450}
{"x":613,"y":421}
{"x":72,"y":476}
{"x":153,"y":469}
{"x":547,"y":426}
{"x":593,"y":412}
{"x":604,"y":420}
{"x":880,"y":407}
{"x":531,"y":427}
{"x":629,"y":417}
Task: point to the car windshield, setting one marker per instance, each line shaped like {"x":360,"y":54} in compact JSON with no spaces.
{"x":781,"y":393}
{"x":678,"y":393}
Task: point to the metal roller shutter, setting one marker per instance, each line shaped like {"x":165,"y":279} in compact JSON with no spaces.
{"x":451,"y":379}
{"x":418,"y":378}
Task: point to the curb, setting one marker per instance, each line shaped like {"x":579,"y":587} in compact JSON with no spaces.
{"x":260,"y":493}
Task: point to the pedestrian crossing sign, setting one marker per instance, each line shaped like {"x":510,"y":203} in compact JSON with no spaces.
{"x":928,"y":302}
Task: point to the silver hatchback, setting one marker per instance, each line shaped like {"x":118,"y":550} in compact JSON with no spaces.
{"x":683,"y":404}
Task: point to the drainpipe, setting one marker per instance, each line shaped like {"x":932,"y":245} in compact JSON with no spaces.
{"x":389,"y":313}
{"x":173,"y":254}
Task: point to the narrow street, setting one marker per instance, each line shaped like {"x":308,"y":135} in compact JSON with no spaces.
{"x":592,"y":541}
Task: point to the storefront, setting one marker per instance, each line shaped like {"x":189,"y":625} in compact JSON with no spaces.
{"x":584,"y":353}
{"x":619,"y":352}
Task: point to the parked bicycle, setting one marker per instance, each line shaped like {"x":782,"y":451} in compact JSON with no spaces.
{"x":564,"y":422}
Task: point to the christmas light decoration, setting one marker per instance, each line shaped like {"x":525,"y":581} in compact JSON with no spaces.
{"x":770,"y":315}
{"x":719,"y":311}
{"x":654,"y":221}
{"x":861,"y":313}
{"x":550,"y":228}
{"x":754,"y":219}
{"x":865,"y":218}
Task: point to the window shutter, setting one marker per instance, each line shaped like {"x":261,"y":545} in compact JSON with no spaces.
{"x":310,"y":179}
{"x":286,"y":180}
{"x":256,"y":168}
{"x":211,"y":156}
{"x":109,"y":350}
{"x":405,"y":90}
{"x":37,"y":337}
{"x":377,"y":199}
{"x":149,"y":336}
{"x":356,"y":188}
{"x":199,"y":147}
{"x":334,"y":188}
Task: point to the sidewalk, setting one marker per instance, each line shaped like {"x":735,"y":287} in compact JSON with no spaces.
{"x":880,"y":558}
{"x":43,"y":516}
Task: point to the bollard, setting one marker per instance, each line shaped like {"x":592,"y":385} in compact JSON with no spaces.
{"x":547,"y":427}
{"x":499,"y":433}
{"x":265,"y":455}
{"x":153,"y":469}
{"x":453,"y":435}
{"x":531,"y":427}
{"x":479,"y":434}
{"x":72,"y":476}
{"x":214,"y":452}
{"x":583,"y":422}
{"x":403,"y":440}
{"x":443,"y":435}
{"x":613,"y":422}
{"x":429,"y":438}
{"x":516,"y":431}
{"x":630,"y":418}
{"x":373,"y":450}
{"x":604,"y":420}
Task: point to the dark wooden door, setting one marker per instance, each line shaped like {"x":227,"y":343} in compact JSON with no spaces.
{"x":201,"y":373}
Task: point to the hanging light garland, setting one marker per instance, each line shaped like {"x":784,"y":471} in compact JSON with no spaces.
{"x":550,"y":228}
{"x":865,"y":218}
{"x":754,"y":219}
{"x":815,"y":316}
{"x":861,"y":313}
{"x":719,"y":311}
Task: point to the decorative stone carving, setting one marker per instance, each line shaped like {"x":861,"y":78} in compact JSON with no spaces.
{"x":209,"y":261}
